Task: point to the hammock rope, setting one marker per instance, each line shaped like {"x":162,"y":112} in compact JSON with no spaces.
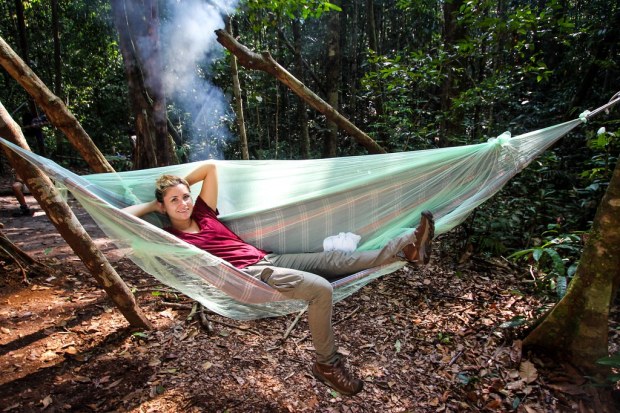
{"x":291,"y":206}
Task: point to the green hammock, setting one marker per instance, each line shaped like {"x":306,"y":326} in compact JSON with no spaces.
{"x":291,"y":206}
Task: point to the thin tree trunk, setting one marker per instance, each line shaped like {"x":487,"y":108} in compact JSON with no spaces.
{"x":276,"y":123}
{"x":371,"y":26}
{"x":243,"y":137}
{"x":352,"y":71}
{"x":373,"y":44}
{"x":333,"y":79}
{"x":69,"y":227}
{"x":452,"y":33}
{"x":267,"y":64}
{"x":22,"y":38}
{"x":57,"y":55}
{"x":56,"y":111}
{"x":21,"y":29}
{"x":302,"y":112}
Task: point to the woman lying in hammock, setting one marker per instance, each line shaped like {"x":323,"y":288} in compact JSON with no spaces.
{"x":303,"y":276}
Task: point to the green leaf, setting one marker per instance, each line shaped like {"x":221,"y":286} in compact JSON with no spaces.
{"x":558,"y":263}
{"x":520,"y":254}
{"x":329,"y":6}
{"x":538,"y":252}
{"x":397,"y":346}
{"x":613,"y":360}
{"x":514,"y":322}
{"x":561,"y":286}
{"x":572,"y":269}
{"x":463,"y":378}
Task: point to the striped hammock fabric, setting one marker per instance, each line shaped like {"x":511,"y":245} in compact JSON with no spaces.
{"x":291,"y":206}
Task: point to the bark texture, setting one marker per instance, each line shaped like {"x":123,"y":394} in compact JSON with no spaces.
{"x":577,"y":327}
{"x":137,"y":25}
{"x":453,"y":32}
{"x":332,"y":78}
{"x":302,"y":110}
{"x":243,"y":137}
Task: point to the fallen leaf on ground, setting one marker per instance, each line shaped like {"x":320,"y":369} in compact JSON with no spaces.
{"x":528,"y":371}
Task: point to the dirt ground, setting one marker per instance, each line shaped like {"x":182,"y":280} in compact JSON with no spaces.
{"x":423,"y":340}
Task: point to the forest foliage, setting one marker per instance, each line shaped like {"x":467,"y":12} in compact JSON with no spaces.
{"x":413,"y":75}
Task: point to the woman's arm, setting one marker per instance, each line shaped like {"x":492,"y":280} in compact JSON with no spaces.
{"x":143,"y":209}
{"x":207,"y":173}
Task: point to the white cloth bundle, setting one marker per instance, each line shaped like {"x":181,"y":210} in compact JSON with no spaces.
{"x":346,"y":242}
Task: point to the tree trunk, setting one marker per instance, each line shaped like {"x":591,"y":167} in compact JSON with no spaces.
{"x":57,"y":55}
{"x":21,"y":29}
{"x":371,"y":26}
{"x":332,"y":79}
{"x":302,"y":110}
{"x":267,"y":64}
{"x":137,"y":27}
{"x":350,"y":72}
{"x":452,"y":33}
{"x":144,"y":155}
{"x":243,"y":137}
{"x":373,"y":44}
{"x":69,"y":227}
{"x":577,"y":327}
{"x":56,"y":111}
{"x":22,"y":38}
{"x":154,"y":86}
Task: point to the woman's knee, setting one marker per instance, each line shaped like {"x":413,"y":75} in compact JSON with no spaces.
{"x":320,"y":287}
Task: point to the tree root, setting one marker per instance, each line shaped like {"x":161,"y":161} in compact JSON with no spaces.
{"x":26,"y":264}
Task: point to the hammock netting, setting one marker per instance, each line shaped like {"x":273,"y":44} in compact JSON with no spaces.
{"x":291,"y":206}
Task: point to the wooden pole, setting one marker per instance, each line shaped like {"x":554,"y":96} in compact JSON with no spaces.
{"x":69,"y":227}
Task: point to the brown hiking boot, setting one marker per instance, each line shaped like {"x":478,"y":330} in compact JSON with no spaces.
{"x":420,"y":250}
{"x":24,"y":211}
{"x":337,"y":377}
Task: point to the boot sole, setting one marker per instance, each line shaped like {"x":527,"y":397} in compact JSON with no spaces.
{"x":425,"y":240}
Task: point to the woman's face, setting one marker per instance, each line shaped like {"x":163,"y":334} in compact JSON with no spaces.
{"x":178,"y":203}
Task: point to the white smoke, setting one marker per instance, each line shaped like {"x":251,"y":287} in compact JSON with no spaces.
{"x":189,"y":46}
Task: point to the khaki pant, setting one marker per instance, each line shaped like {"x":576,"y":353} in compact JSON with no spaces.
{"x":306,"y":277}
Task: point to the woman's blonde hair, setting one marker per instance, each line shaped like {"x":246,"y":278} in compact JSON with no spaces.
{"x":167,"y":181}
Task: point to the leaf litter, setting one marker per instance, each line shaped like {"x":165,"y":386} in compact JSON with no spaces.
{"x":444,"y":338}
